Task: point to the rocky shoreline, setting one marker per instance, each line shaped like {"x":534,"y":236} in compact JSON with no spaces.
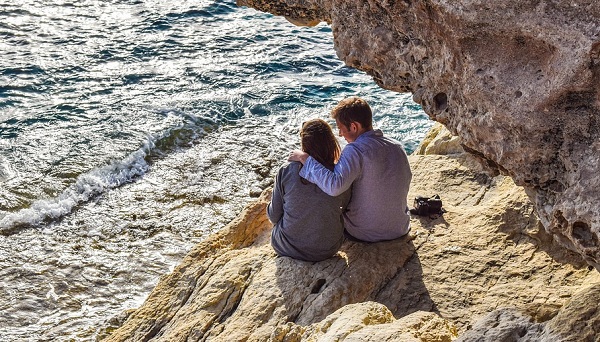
{"x":484,"y":271}
{"x":514,"y":258}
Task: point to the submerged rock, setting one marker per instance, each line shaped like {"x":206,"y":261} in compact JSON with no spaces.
{"x":517,"y":81}
{"x":488,"y":251}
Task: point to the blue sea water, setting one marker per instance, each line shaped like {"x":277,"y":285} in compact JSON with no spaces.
{"x":129,"y":130}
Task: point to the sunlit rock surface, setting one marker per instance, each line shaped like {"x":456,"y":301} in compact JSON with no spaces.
{"x":442,"y":281}
{"x":518,"y":81}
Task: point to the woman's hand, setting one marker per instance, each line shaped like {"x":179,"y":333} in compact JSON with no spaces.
{"x":298,"y":155}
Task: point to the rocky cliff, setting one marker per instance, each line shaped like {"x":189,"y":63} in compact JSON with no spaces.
{"x":517,"y":81}
{"x":486,"y":270}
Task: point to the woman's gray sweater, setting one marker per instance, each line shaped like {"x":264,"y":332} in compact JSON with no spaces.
{"x":307,"y":222}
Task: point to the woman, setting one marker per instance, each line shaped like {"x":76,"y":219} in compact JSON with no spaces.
{"x":308,"y":222}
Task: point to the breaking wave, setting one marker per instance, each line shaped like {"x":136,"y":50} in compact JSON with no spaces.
{"x":86,"y":187}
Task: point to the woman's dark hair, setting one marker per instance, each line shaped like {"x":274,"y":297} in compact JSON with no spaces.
{"x":317,"y":139}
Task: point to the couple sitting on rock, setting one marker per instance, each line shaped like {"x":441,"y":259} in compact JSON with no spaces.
{"x":323,"y":195}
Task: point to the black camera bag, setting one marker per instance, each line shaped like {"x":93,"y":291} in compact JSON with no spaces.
{"x":425,"y":206}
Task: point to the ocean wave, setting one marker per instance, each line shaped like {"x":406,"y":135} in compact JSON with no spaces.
{"x":91,"y":184}
{"x":86,"y":187}
{"x":26,"y":70}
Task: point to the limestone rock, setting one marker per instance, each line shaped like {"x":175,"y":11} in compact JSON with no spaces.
{"x":373,"y":322}
{"x":487,"y":251}
{"x":517,"y":81}
{"x":505,"y":325}
{"x":578,"y":320}
{"x":439,"y":140}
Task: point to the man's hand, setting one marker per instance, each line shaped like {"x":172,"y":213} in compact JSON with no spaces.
{"x":298,"y":155}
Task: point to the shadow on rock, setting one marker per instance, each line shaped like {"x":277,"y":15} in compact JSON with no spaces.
{"x":522,"y":226}
{"x":431,"y":221}
{"x":383,"y":272}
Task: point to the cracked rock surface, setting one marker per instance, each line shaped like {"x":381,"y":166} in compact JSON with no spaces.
{"x":517,"y":81}
{"x":444,"y":280}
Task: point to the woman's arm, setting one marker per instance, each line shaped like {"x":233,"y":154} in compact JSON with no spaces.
{"x":275,"y":208}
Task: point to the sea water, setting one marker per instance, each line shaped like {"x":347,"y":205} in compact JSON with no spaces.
{"x":130,"y":130}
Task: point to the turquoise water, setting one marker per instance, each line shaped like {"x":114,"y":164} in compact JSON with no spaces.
{"x":129,"y":130}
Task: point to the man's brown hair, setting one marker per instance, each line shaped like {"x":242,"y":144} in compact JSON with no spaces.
{"x":353,"y":109}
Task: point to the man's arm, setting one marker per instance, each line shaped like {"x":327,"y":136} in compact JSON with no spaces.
{"x":340,"y":179}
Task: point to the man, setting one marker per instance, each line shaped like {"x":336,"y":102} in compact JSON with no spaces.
{"x":377,"y":169}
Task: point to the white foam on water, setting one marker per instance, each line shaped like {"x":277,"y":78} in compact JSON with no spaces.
{"x":86,"y":187}
{"x":6,"y":171}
